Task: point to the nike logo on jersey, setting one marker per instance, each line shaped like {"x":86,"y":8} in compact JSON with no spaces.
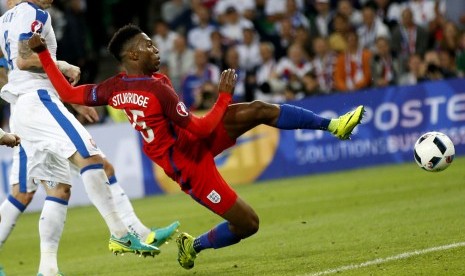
{"x":129,"y":98}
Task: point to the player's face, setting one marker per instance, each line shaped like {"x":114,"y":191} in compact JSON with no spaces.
{"x":43,"y":4}
{"x":149,"y":58}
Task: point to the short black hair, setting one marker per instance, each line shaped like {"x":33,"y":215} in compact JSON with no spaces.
{"x":121,"y":37}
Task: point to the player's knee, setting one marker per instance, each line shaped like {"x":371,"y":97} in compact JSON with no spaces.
{"x":61,"y":191}
{"x":108,"y":168}
{"x":24,"y":198}
{"x":251,"y":226}
{"x":262,"y":110}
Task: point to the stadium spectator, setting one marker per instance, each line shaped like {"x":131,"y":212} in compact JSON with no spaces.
{"x":286,"y":35}
{"x":408,"y":38}
{"x":323,"y":64}
{"x":450,"y":38}
{"x":249,"y":52}
{"x":232,"y":60}
{"x":425,"y":11}
{"x":415,"y":73}
{"x":447,"y":64}
{"x":322,"y":19}
{"x":205,"y":96}
{"x":346,"y":8}
{"x":275,"y":9}
{"x":164,"y":39}
{"x":352,"y":70}
{"x":180,"y":61}
{"x":389,"y":12}
{"x":202,"y":72}
{"x":264,"y":72}
{"x":171,"y":9}
{"x":292,"y":66}
{"x":337,"y":39}
{"x":371,"y":28}
{"x":460,"y":57}
{"x":303,"y":38}
{"x":385,"y":67}
{"x":244,"y":7}
{"x":199,"y":36}
{"x":311,"y":86}
{"x":216,"y":53}
{"x":185,"y":145}
{"x":297,"y":18}
{"x":233,"y":25}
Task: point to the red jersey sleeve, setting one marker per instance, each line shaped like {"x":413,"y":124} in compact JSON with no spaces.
{"x":177,"y":112}
{"x":83,"y":94}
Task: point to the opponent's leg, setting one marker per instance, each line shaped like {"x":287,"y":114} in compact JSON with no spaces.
{"x":155,"y":236}
{"x":240,"y":118}
{"x":95,"y":182}
{"x":10,"y":210}
{"x":51,"y":225}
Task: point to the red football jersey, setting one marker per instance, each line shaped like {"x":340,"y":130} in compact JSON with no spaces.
{"x":152,"y":106}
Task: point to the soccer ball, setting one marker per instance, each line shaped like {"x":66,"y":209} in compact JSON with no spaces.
{"x":434,"y":151}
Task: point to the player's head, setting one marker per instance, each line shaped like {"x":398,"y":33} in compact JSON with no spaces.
{"x":134,"y":49}
{"x":43,"y":4}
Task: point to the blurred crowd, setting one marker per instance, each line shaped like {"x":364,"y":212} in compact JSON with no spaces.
{"x":281,"y":49}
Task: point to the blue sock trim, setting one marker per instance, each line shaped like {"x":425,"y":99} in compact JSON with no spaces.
{"x":57,"y":200}
{"x":21,"y":207}
{"x":294,"y":117}
{"x":112,"y":180}
{"x":91,"y":167}
{"x":218,"y":237}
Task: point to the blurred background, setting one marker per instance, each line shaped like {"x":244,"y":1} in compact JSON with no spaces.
{"x":282,"y":49}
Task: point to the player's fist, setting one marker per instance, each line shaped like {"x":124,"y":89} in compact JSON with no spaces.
{"x":228,"y":81}
{"x":10,"y":140}
{"x":37,"y":43}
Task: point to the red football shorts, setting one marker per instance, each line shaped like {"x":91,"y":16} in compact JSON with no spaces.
{"x":191,"y":164}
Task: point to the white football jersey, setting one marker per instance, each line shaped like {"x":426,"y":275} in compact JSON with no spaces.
{"x":18,"y":24}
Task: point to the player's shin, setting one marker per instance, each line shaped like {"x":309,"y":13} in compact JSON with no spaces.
{"x":218,"y":237}
{"x":51,"y":224}
{"x":126,"y":211}
{"x":294,"y":117}
{"x":10,"y":210}
{"x":95,"y":180}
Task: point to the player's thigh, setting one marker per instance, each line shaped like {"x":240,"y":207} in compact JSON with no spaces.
{"x":57,"y":190}
{"x":32,"y":164}
{"x":41,"y":117}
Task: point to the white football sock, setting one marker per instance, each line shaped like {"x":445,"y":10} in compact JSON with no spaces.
{"x":10,"y":210}
{"x":51,"y":224}
{"x":99,"y":193}
{"x":126,"y":211}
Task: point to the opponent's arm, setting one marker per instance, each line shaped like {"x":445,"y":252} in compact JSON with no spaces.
{"x":68,"y":93}
{"x":28,"y":60}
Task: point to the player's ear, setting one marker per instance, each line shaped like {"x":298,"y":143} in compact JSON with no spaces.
{"x":133,"y":55}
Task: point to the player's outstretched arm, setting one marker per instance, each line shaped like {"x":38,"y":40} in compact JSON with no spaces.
{"x":67,"y":92}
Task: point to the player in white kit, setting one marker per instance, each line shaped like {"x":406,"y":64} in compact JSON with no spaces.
{"x":51,"y":139}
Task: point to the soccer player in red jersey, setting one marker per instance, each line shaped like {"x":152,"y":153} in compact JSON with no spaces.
{"x":183,"y":144}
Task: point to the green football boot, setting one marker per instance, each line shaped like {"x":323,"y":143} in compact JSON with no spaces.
{"x":186,"y":252}
{"x":347,"y":123}
{"x":160,"y":236}
{"x":130,"y":243}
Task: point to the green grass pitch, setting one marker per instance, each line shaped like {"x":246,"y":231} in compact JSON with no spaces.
{"x":307,"y":225}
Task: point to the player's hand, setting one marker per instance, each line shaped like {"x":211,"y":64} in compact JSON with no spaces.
{"x":88,"y":112}
{"x":37,"y":43}
{"x":10,"y":140}
{"x":72,"y":72}
{"x":227,"y":81}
